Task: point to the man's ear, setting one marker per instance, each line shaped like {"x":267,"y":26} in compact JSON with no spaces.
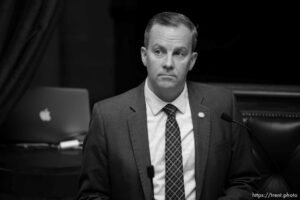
{"x":144,"y":55}
{"x":193,"y":60}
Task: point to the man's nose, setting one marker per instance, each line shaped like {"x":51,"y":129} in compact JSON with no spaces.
{"x":168,"y":62}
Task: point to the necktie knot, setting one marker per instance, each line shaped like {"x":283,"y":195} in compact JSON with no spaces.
{"x":170,"y":110}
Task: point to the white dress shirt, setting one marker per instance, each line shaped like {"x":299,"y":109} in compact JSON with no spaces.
{"x":156,"y":124}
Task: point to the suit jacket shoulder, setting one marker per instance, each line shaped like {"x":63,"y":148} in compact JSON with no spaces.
{"x":213,"y":97}
{"x":210,"y":91}
{"x":119,"y":102}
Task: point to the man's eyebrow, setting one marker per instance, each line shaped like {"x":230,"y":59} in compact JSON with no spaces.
{"x":181,"y":49}
{"x":157,"y":45}
{"x":177,"y":48}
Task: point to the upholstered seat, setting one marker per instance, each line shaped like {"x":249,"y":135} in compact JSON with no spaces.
{"x":277,"y":152}
{"x":272,"y":113}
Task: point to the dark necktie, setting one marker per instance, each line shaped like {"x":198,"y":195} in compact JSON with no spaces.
{"x":174,"y":181}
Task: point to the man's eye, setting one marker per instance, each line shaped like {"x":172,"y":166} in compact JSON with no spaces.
{"x":180,"y":53}
{"x":157,"y":52}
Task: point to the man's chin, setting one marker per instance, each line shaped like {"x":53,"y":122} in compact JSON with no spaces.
{"x":166,"y":84}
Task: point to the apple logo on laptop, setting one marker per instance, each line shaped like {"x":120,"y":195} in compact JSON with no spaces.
{"x":45,"y":115}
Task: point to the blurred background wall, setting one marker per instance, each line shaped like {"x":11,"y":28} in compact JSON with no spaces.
{"x":97,"y":44}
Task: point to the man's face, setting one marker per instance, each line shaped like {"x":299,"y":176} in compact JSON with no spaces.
{"x":168,"y":58}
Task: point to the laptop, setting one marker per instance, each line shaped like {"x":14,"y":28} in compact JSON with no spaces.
{"x":49,"y":116}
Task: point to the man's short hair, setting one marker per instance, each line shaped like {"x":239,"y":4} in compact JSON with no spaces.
{"x":171,"y":19}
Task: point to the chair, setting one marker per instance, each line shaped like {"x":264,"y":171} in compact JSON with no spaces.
{"x":273,"y":116}
{"x":279,"y":160}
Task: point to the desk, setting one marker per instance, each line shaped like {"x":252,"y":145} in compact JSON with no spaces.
{"x":39,"y":173}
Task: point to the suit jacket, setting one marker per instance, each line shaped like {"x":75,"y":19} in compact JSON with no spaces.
{"x":116,"y":152}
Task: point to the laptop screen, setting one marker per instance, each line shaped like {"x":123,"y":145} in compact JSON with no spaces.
{"x":48,"y":115}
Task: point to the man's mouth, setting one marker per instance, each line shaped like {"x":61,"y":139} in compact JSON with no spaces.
{"x":167,"y":75}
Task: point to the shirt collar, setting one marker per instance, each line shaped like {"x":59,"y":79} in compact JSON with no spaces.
{"x":156,"y":104}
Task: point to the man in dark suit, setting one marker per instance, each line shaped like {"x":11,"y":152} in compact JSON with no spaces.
{"x":165,"y":139}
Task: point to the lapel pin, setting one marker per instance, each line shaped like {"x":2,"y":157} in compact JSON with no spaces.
{"x":201,"y":114}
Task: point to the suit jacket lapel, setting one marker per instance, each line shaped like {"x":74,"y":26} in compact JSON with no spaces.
{"x":137,"y":123}
{"x":201,"y":124}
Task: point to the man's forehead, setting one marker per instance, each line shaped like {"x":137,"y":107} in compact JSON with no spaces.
{"x":163,"y":27}
{"x":161,"y":34}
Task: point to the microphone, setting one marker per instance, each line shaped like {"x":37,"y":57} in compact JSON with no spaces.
{"x":150,"y":173}
{"x":229,"y":119}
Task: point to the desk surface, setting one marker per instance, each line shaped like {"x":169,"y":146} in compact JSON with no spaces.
{"x":39,"y":172}
{"x":23,"y":159}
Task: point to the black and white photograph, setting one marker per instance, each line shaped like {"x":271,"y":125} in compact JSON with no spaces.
{"x":149,"y":100}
